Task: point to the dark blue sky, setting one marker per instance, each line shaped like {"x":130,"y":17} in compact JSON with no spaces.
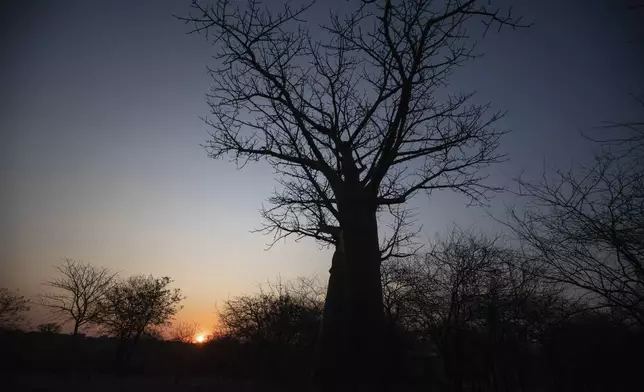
{"x":100,"y":156}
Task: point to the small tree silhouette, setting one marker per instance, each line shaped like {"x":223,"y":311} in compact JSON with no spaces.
{"x":475,"y":302}
{"x":184,"y":332}
{"x":275,"y":329}
{"x":80,"y":287}
{"x":12,"y":309}
{"x":283,"y":314}
{"x":134,"y":305}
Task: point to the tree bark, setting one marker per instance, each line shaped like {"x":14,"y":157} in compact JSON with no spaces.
{"x":365,"y":315}
{"x":75,"y":337}
{"x":332,"y":340}
{"x":351,"y":343}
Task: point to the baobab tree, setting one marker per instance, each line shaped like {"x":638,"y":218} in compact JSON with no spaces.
{"x":79,"y":289}
{"x":355,"y":120}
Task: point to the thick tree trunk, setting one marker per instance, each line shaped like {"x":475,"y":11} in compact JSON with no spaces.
{"x":365,"y":306}
{"x":361,"y":357}
{"x":351,"y":344}
{"x":332,"y":342}
{"x":75,"y":337}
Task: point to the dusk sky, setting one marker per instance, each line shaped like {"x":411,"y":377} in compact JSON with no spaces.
{"x":100,"y":138}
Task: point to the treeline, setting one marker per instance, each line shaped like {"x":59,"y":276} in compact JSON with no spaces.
{"x":470,"y":314}
{"x":93,"y":298}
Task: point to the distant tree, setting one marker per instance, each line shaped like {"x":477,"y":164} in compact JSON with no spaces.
{"x":50,"y":328}
{"x":275,"y":329}
{"x":184,"y":332}
{"x":475,"y":301}
{"x":12,"y":309}
{"x":353,"y":120}
{"x":284,"y":314}
{"x":136,"y":304}
{"x":585,"y":226}
{"x":80,"y":287}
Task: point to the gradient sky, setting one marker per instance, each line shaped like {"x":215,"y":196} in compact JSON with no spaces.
{"x":99,"y":146}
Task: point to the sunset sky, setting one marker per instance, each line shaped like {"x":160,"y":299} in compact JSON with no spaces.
{"x":100,"y":138}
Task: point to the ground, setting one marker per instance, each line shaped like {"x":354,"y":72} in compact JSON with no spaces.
{"x":41,"y":382}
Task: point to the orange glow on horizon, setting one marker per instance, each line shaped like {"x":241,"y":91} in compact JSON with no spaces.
{"x":201,"y":338}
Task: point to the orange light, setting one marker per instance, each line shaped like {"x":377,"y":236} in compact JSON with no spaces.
{"x":200,"y":338}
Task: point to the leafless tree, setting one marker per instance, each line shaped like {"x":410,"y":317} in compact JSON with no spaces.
{"x":284,"y":313}
{"x":184,"y":332}
{"x":443,"y":285}
{"x":586,"y":225}
{"x":468,"y":289}
{"x":12,"y":309}
{"x":354,"y":119}
{"x":137,"y":304}
{"x":79,"y":289}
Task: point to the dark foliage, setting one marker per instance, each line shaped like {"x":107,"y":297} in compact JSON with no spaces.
{"x":50,"y":328}
{"x":467,"y":316}
{"x":272,"y":333}
{"x":133,"y":308}
{"x":482,"y":318}
{"x":12,"y":309}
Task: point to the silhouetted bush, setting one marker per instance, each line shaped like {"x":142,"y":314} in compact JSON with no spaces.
{"x":49,"y":328}
{"x":184,"y":332}
{"x":473,"y":314}
{"x":272,"y":334}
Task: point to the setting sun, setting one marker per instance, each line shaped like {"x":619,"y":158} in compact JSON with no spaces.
{"x":200,"y":338}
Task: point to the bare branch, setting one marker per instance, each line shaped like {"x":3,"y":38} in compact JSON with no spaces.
{"x":78,"y":291}
{"x":350,"y":111}
{"x":586,"y":225}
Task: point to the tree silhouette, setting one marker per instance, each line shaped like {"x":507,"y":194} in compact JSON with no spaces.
{"x":184,"y":332}
{"x":80,"y":287}
{"x":12,"y":309}
{"x":135,"y":305}
{"x":353,"y":121}
{"x":478,"y":304}
{"x":586,"y":225}
{"x":278,"y":327}
{"x":282,"y":314}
